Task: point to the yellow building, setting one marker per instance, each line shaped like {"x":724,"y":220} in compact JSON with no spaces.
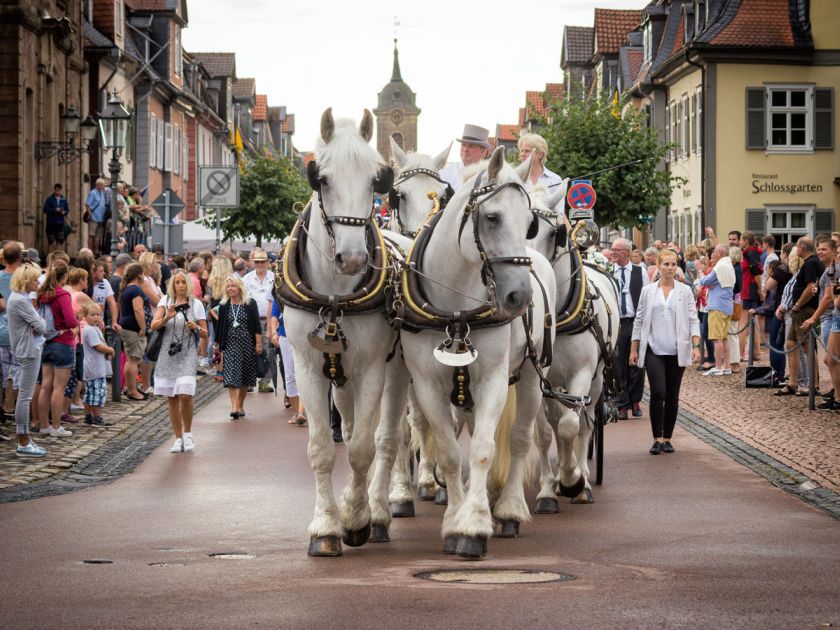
{"x":745,"y":91}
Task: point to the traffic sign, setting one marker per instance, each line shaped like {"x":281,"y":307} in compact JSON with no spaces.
{"x":581,"y":196}
{"x":218,"y":186}
{"x":168,"y":200}
{"x":165,"y":230}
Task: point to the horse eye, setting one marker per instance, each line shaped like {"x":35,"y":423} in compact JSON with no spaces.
{"x":493,"y":219}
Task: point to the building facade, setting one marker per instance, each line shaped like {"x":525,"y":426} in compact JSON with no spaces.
{"x":396,"y":113}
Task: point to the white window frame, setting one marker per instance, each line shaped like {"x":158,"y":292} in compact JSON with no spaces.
{"x":668,"y":157}
{"x":185,"y":158}
{"x":647,"y":42}
{"x":176,"y":149}
{"x":160,"y":145}
{"x":153,"y":141}
{"x":119,"y":17}
{"x":684,"y":131}
{"x":788,"y":231}
{"x":167,"y":155}
{"x":808,"y":110}
{"x":698,"y":120}
{"x":179,"y":56}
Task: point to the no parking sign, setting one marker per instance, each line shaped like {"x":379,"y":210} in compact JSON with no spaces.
{"x":581,"y":198}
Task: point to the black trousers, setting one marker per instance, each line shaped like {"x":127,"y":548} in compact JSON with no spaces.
{"x":664,"y":378}
{"x":631,"y":380}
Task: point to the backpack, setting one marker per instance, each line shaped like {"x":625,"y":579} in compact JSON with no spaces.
{"x":46,"y":314}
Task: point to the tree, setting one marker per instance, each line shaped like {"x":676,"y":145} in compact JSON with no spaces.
{"x":585,"y":137}
{"x":268,"y":189}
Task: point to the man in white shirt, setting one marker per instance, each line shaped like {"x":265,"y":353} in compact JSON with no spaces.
{"x":474,"y":148}
{"x":534,"y":144}
{"x":260,"y":283}
{"x":631,"y":278}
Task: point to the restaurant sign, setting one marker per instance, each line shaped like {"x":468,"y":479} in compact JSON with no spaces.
{"x":768,"y":183}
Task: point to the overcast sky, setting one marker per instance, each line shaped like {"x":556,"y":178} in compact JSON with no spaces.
{"x":467,"y":60}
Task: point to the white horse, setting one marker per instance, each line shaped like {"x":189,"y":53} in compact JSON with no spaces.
{"x":476,"y":259}
{"x":579,"y":358}
{"x":341,"y":240}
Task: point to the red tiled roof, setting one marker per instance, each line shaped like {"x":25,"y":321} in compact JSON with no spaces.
{"x":555,"y":91}
{"x":578,"y":42}
{"x":288,"y":123}
{"x":758,"y":23}
{"x":679,"y":38}
{"x":535,"y":103}
{"x":635,"y":57}
{"x":612,"y":26}
{"x":261,"y":107}
{"x":507,"y":133}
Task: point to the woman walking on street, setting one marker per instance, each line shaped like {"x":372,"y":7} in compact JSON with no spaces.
{"x":665,"y":340}
{"x":26,"y":333}
{"x":133,"y":303}
{"x":184,"y":322}
{"x":59,"y":355}
{"x":239,"y":339}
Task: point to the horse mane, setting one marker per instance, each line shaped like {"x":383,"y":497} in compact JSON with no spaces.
{"x":505,"y":175}
{"x":347,"y":151}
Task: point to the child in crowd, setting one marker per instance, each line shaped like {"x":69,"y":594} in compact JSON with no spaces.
{"x":97,"y":354}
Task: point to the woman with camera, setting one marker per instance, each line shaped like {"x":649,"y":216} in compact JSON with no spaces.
{"x":239,"y":338}
{"x":185,"y":323}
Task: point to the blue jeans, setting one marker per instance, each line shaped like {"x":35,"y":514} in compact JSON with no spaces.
{"x":704,"y":335}
{"x":777,"y":340}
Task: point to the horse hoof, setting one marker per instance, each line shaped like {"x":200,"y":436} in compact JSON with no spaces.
{"x":402,"y":510}
{"x":584,"y":498}
{"x":572,"y":491}
{"x":379,"y":533}
{"x":324,"y":546}
{"x":441,"y":497}
{"x":426,"y":493}
{"x":450,"y":542}
{"x":471,"y":547}
{"x":547,"y":505}
{"x":507,"y":528}
{"x":356,"y":537}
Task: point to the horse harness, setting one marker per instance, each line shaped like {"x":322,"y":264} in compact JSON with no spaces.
{"x":395,"y":198}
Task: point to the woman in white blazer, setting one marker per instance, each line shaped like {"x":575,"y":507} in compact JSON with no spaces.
{"x":665,"y":340}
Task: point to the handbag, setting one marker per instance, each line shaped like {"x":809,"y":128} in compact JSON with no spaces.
{"x":262,"y":365}
{"x":737,"y":311}
{"x":154,"y":345}
{"x":758,"y":376}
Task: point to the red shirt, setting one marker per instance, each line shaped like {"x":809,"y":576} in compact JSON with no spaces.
{"x":61,"y":305}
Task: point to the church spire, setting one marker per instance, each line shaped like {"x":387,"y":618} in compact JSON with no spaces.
{"x":395,"y":75}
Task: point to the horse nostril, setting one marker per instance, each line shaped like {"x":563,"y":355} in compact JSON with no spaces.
{"x":514,"y":300}
{"x":339,"y":259}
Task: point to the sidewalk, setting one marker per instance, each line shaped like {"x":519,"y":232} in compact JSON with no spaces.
{"x":92,"y":454}
{"x":780,"y":426}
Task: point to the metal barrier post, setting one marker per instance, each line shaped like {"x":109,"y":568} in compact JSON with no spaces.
{"x":812,"y":377}
{"x":751,"y":339}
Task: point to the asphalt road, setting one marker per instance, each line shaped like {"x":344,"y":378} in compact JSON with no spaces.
{"x":684,"y":540}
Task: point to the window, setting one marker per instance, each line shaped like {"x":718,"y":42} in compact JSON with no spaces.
{"x":670,"y":154}
{"x":684,"y":129}
{"x":160,"y":145}
{"x":185,"y":159}
{"x":118,"y":17}
{"x":647,"y":41}
{"x":692,"y":117}
{"x":176,"y":149}
{"x":167,"y":157}
{"x":789,"y":224}
{"x":698,"y":120}
{"x":788,"y":117}
{"x":179,"y":59}
{"x":153,"y":141}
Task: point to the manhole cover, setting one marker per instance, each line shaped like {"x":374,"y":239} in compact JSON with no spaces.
{"x":233,"y":555}
{"x":494,"y":576}
{"x":97,"y":561}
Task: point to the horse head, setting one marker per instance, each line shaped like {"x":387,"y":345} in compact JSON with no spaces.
{"x":417,"y":180}
{"x":345,"y":175}
{"x":551,"y":234}
{"x":501,"y":221}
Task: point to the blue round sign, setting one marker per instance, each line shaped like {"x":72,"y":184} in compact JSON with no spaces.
{"x":581,"y":196}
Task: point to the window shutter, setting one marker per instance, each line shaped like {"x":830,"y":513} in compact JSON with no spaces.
{"x":754,"y":222}
{"x":756,"y":118}
{"x":153,"y":142}
{"x":668,"y":130}
{"x":167,"y":159}
{"x":160,"y":144}
{"x":823,"y":221}
{"x":176,"y":149}
{"x":824,"y":118}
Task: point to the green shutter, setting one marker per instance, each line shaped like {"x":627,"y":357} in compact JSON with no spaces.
{"x":823,"y":118}
{"x":754,"y":221}
{"x":823,"y":221}
{"x":756,"y":118}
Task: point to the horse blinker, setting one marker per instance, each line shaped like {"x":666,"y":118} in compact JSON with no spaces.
{"x":533,"y":228}
{"x":313,"y":174}
{"x":384,"y":180}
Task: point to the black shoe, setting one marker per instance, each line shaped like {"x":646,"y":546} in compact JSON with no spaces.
{"x":829,"y":395}
{"x":667,"y":447}
{"x":88,"y":419}
{"x":656,"y":448}
{"x":99,"y":421}
{"x":637,"y":410}
{"x":622,"y":413}
{"x":829,"y":404}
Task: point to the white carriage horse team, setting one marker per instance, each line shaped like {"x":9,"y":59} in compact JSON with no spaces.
{"x":465,"y":306}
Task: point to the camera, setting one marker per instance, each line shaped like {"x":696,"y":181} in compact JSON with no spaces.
{"x":175,"y":347}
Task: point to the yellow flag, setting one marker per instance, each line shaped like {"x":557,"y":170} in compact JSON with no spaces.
{"x":237,"y":143}
{"x":616,"y":112}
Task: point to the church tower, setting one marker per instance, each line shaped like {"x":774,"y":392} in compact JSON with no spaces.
{"x":396,"y":113}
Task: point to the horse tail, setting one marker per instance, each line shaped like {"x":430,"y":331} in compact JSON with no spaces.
{"x":500,"y":469}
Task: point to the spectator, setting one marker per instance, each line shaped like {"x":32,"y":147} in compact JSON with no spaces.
{"x":834,"y":346}
{"x":96,"y":214}
{"x":184,"y":321}
{"x":260,"y":284}
{"x":703,"y":267}
{"x":734,"y":238}
{"x":77,"y":282}
{"x":631,"y":279}
{"x":121,"y":262}
{"x":222,"y":270}
{"x":57,"y":209}
{"x":196,"y":269}
{"x":96,"y":356}
{"x":134,"y":303}
{"x":751,"y":292}
{"x":278,"y":338}
{"x":736,"y":257}
{"x":794,"y":263}
{"x":239,"y":340}
{"x":827,"y":254}
{"x":637,"y":258}
{"x":58,"y":356}
{"x":138,"y":250}
{"x":165,"y":271}
{"x":26,"y":332}
{"x":691,"y":256}
{"x":9,"y":366}
{"x":719,"y":284}
{"x":240,"y":267}
{"x":666,"y":339}
{"x":768,"y":254}
{"x":103,"y":295}
{"x":651,"y":254}
{"x":772,"y":299}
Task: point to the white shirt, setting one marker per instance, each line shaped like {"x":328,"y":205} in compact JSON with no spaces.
{"x":451,"y":174}
{"x":260,"y":290}
{"x":199,"y":313}
{"x":547,"y":179}
{"x":663,"y":341}
{"x":102,"y":290}
{"x":624,"y":288}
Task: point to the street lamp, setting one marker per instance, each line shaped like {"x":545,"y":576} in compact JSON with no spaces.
{"x":66,"y":149}
{"x":113,"y":125}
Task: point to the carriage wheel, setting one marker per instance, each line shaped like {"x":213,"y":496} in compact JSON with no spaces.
{"x":598,"y":439}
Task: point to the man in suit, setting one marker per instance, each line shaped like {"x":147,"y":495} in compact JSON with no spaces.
{"x":631,"y":278}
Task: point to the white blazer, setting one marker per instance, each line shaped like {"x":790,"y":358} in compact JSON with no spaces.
{"x":688,"y":325}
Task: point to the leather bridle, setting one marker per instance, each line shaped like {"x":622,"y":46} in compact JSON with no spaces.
{"x":560,"y":231}
{"x":395,"y":198}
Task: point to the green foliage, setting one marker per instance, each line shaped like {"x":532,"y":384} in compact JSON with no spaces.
{"x":584,"y":137}
{"x":267,"y":191}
